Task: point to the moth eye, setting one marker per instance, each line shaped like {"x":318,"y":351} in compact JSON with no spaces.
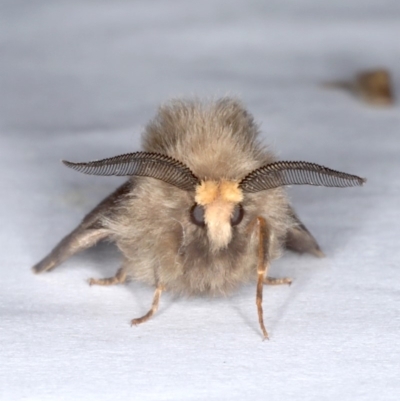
{"x":197,"y":215}
{"x":237,"y":215}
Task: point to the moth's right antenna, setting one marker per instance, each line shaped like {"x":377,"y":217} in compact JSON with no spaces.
{"x":144,"y":164}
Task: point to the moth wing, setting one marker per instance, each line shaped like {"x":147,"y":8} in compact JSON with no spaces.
{"x":299,"y":239}
{"x":88,"y":232}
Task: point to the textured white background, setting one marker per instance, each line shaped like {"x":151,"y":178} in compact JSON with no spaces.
{"x":78,"y":80}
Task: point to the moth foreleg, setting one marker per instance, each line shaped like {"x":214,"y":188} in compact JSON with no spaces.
{"x":264,"y":243}
{"x":153,"y":310}
{"x":262,"y":268}
{"x":277,"y":281}
{"x":119,"y":278}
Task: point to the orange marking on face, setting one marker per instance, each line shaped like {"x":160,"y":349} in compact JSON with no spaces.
{"x":219,"y":200}
{"x":208,"y":191}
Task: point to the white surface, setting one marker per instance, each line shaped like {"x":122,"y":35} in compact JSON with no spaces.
{"x":78,"y":81}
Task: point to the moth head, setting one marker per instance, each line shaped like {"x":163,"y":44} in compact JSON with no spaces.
{"x":218,"y":204}
{"x":218,"y":208}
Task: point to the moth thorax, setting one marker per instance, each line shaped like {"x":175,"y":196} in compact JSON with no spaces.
{"x":219,"y":199}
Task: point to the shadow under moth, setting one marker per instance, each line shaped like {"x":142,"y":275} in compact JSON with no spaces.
{"x":204,"y":209}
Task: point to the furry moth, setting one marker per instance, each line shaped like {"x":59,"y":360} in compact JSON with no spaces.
{"x":204,"y":208}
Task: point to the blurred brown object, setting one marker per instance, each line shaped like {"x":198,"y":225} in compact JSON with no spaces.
{"x":373,"y":87}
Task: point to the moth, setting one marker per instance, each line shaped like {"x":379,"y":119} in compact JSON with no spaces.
{"x":204,"y":209}
{"x":372,"y":86}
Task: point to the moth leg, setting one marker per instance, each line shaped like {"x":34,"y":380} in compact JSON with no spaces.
{"x":264,"y":241}
{"x":87,"y":234}
{"x":119,"y":278}
{"x":262,"y":269}
{"x":76,"y":241}
{"x":153,"y":310}
{"x":277,"y":281}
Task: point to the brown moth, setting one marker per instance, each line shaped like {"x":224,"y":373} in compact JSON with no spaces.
{"x":204,"y":209}
{"x":373,"y":87}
